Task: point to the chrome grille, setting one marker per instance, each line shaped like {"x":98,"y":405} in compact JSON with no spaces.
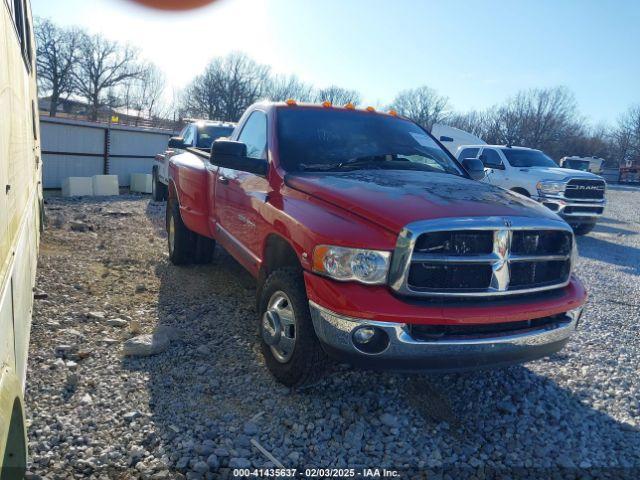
{"x":585,"y":189}
{"x":481,"y":256}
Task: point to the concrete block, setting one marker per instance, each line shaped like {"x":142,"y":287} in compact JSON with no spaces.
{"x":105,"y":185}
{"x":140,"y":182}
{"x":77,"y":186}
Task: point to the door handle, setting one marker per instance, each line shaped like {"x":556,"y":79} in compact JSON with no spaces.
{"x":224,"y":180}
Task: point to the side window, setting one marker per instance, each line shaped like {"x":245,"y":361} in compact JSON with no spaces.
{"x":254,"y":135}
{"x":468,"y":153}
{"x":18,"y":20}
{"x":491,"y":159}
{"x":21,"y":23}
{"x":27,"y":48}
{"x":189,"y":136}
{"x":33,"y":120}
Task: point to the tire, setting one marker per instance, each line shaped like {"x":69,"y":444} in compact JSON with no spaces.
{"x":158,"y":189}
{"x":302,"y":362}
{"x":180,"y":240}
{"x":204,"y":248}
{"x":583,"y":228}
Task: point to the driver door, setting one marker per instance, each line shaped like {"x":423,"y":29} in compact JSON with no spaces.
{"x":241,"y":196}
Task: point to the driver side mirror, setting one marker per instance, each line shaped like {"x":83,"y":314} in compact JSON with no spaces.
{"x":232,"y":154}
{"x":176,"y":142}
{"x":474,"y":168}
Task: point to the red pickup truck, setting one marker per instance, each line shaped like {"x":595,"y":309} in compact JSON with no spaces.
{"x":371,"y":244}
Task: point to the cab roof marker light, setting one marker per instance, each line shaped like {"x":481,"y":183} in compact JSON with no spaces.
{"x":393,"y":113}
{"x":327,"y":104}
{"x":371,"y":109}
{"x":350,"y":106}
{"x":291,"y":102}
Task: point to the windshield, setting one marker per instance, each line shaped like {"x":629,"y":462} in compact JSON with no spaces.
{"x":209,"y":133}
{"x":527,"y":158}
{"x":577,"y":165}
{"x":312,"y":139}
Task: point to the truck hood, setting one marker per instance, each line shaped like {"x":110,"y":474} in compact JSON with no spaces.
{"x":394,"y":198}
{"x":557,"y":173}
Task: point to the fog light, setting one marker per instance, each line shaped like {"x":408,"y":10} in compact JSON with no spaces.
{"x":364,"y":334}
{"x":369,"y":339}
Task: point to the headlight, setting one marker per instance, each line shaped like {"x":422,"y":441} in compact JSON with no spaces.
{"x":550,"y":187}
{"x":341,"y":263}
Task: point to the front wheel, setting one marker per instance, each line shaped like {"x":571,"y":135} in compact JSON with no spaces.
{"x":290,"y":346}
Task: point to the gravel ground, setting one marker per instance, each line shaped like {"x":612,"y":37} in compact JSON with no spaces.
{"x":205,"y":403}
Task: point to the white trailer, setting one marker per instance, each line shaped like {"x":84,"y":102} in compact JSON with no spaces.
{"x":453,"y":138}
{"x":21,"y":212}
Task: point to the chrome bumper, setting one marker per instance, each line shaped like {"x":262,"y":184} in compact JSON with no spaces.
{"x":404,"y":352}
{"x":559,"y":205}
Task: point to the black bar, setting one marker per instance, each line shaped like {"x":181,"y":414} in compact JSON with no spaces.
{"x":84,"y":154}
{"x":106,"y":152}
{"x":77,"y":154}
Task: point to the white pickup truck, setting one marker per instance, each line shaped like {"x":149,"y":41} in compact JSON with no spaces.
{"x":198,"y":134}
{"x":576,"y":196}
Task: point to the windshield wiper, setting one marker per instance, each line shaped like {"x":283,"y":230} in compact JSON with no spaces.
{"x":323,"y":167}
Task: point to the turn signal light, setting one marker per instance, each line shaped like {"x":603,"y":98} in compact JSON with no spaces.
{"x":291,"y":102}
{"x":318,"y":257}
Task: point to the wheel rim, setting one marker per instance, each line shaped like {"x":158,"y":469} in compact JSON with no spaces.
{"x":172,"y":233}
{"x":279,"y":327}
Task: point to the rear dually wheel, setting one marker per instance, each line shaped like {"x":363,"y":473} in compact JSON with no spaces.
{"x":180,"y":239}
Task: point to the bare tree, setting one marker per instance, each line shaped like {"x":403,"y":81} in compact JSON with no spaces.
{"x":539,"y":118}
{"x":227,"y":87}
{"x":282,"y":87}
{"x":478,"y":123}
{"x":144,"y":93}
{"x":56,"y":53}
{"x":586,"y":142}
{"x":102,"y":67}
{"x":175,"y":108}
{"x":423,"y":105}
{"x":337,"y":95}
{"x":625,"y":138}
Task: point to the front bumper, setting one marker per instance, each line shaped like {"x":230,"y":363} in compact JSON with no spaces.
{"x":572,"y":208}
{"x":405,"y":352}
